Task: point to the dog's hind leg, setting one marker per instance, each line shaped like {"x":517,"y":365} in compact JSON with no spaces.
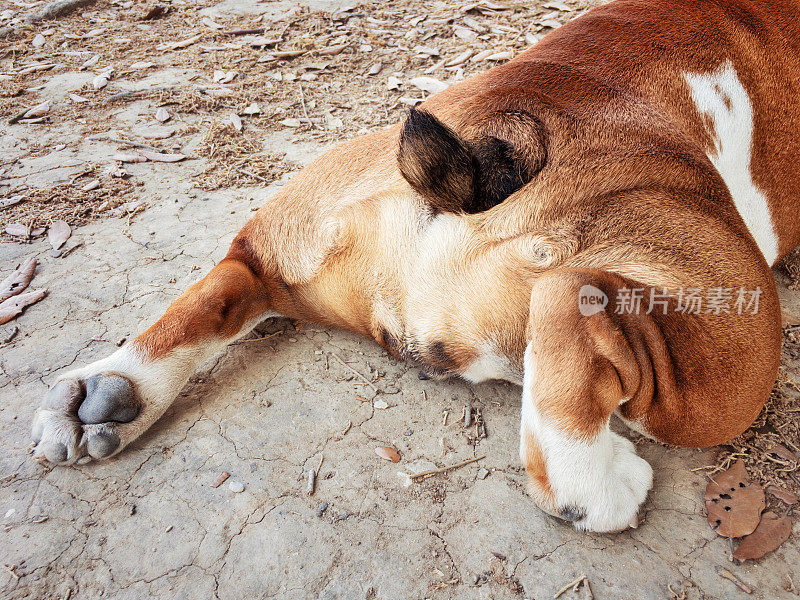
{"x":98,"y":409}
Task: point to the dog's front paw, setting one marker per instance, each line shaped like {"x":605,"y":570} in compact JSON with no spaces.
{"x":608,"y":498}
{"x":81,"y":415}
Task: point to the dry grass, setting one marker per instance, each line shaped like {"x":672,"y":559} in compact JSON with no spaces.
{"x":70,"y":203}
{"x":236,"y":158}
{"x":791,"y":266}
{"x":763,"y":447}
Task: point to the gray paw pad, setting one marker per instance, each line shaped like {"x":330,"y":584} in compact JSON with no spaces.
{"x":102,"y":444}
{"x":109,"y":398}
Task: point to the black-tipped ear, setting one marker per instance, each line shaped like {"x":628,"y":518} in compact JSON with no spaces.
{"x":505,"y":151}
{"x":436,"y":162}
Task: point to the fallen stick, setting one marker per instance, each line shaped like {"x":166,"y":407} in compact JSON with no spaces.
{"x":725,"y":574}
{"x":131,"y":94}
{"x":253,"y":31}
{"x":575,"y":585}
{"x":351,"y":369}
{"x":59,"y":8}
{"x":13,"y":119}
{"x":432,"y":472}
{"x":312,"y":477}
{"x":258,"y":339}
{"x":132,"y":143}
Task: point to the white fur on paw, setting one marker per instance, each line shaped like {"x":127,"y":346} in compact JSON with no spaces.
{"x":598,"y":485}
{"x":615,"y":495}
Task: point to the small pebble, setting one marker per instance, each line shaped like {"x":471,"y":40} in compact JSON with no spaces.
{"x":236,"y":486}
{"x":409,"y":432}
{"x":483,"y":473}
{"x":380,"y":404}
{"x":322,"y":508}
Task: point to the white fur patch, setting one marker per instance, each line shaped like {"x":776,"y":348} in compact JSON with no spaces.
{"x":602,"y":479}
{"x":722,"y":97}
{"x":490,"y":365}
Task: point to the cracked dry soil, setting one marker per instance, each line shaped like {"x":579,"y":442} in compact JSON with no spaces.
{"x":148,"y":524}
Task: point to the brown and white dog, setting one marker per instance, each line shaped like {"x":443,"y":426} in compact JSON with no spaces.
{"x":643,"y":151}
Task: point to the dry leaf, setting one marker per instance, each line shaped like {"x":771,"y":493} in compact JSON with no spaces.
{"x":38,"y":110}
{"x":38,"y":40}
{"x":459,"y":59}
{"x":551,"y":23}
{"x":291,"y":123}
{"x":92,"y":185}
{"x":393,"y":83}
{"x":11,"y":201}
{"x":788,"y":319}
{"x":223,"y":76}
{"x":209,"y":23}
{"x":559,"y":6}
{"x":252,"y":109}
{"x":733,"y":502}
{"x":236,"y":121}
{"x":161,"y":157}
{"x":17,"y":229}
{"x":426,"y":50}
{"x":482,"y":55}
{"x":785,"y":496}
{"x":430,"y":85}
{"x":100,"y":82}
{"x":16,"y":304}
{"x":180,"y":44}
{"x":78,"y":99}
{"x":18,"y":280}
{"x":468,"y":35}
{"x":162,"y":115}
{"x":91,"y":62}
{"x":129,"y":157}
{"x":782,"y":451}
{"x":505,"y":55}
{"x":332,"y":50}
{"x":287,"y":53}
{"x":387,"y":453}
{"x":140,"y":66}
{"x":771,"y":532}
{"x":58,"y":234}
{"x":375,"y":68}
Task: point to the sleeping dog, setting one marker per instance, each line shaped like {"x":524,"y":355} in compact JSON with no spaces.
{"x":595,"y":220}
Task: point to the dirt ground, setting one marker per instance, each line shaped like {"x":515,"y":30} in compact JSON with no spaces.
{"x":149,"y":523}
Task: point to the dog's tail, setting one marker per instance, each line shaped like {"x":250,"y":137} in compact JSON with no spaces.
{"x":476,"y":170}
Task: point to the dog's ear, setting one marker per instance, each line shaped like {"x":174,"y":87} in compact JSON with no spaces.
{"x":436,"y":162}
{"x":455,"y":174}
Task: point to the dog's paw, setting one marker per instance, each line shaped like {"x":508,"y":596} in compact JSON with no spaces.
{"x":609,"y":497}
{"x":81,"y":415}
